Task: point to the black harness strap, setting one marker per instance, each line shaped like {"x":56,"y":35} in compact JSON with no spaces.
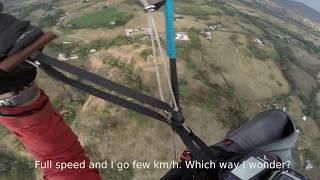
{"x":103,"y":82}
{"x":197,"y":147}
{"x":199,"y":150}
{"x":103,"y":95}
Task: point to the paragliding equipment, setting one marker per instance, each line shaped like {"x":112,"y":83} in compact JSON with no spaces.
{"x":256,"y":134}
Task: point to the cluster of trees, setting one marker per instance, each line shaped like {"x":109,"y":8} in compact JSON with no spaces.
{"x":69,"y":106}
{"x":27,"y":10}
{"x":313,"y":105}
{"x":51,"y":19}
{"x":128,"y":76}
{"x":259,"y":53}
{"x":198,"y":12}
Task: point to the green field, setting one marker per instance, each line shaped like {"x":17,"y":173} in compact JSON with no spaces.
{"x":102,"y":18}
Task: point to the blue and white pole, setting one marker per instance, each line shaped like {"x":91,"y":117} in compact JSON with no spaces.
{"x":171,"y":46}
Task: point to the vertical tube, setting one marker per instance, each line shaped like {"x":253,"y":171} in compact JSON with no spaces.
{"x":171,"y":46}
{"x":174,"y":79}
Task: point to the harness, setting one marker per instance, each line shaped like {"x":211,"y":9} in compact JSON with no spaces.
{"x":148,"y":106}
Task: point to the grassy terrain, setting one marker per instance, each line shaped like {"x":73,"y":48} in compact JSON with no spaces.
{"x":102,"y":18}
{"x":15,"y":169}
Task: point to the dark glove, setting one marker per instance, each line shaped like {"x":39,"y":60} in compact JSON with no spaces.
{"x":14,"y":36}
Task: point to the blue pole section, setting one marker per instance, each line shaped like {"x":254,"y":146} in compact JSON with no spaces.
{"x":171,"y":47}
{"x":171,"y":36}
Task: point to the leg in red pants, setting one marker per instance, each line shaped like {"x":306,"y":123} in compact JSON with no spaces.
{"x":44,"y":133}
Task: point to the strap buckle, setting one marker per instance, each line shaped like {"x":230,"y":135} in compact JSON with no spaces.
{"x":154,"y":7}
{"x":7,"y":103}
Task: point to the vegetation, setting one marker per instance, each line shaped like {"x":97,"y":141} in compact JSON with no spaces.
{"x":107,"y":18}
{"x":209,"y":98}
{"x":312,"y":105}
{"x":234,"y":38}
{"x":145,"y":53}
{"x":14,"y":169}
{"x":222,"y":5}
{"x":27,"y":10}
{"x":113,"y":174}
{"x":128,"y":76}
{"x":68,"y":107}
{"x":51,"y":19}
{"x":134,"y":3}
{"x":200,"y":12}
{"x":109,"y":173}
{"x":257,"y":52}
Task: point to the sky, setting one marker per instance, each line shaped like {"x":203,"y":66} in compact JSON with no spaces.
{"x":315,"y":4}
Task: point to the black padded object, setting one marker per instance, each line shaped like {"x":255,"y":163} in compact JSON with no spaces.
{"x":14,"y":36}
{"x":10,"y":30}
{"x":23,"y":75}
{"x":271,"y":130}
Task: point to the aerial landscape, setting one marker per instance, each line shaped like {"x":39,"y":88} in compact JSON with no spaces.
{"x":235,"y":58}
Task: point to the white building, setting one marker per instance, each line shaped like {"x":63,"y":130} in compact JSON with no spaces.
{"x":209,"y":35}
{"x":284,"y":109}
{"x":62,"y":57}
{"x":112,"y":23}
{"x":92,"y":51}
{"x":182,"y":36}
{"x":304,"y":118}
{"x":308,"y":165}
{"x":74,"y":57}
{"x":258,"y":41}
{"x":131,"y":32}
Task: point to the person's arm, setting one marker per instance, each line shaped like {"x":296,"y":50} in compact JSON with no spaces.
{"x":34,"y":121}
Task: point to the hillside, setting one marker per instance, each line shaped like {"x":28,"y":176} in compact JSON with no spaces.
{"x":300,"y":9}
{"x":259,"y":57}
{"x":311,"y":3}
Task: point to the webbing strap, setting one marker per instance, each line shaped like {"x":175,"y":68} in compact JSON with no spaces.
{"x":197,"y":147}
{"x":199,"y":150}
{"x":101,"y":94}
{"x":103,"y":82}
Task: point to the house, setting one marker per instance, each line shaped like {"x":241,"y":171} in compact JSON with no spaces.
{"x":178,"y":17}
{"x":258,"y":41}
{"x":209,"y":35}
{"x":129,"y":32}
{"x":182,"y":36}
{"x":137,"y":32}
{"x":112,"y":23}
{"x":304,"y":118}
{"x":74,"y":57}
{"x":92,"y":51}
{"x":66,"y":42}
{"x":284,"y":109}
{"x":218,"y":27}
{"x":62,"y":57}
{"x":308,"y":165}
{"x":212,"y":28}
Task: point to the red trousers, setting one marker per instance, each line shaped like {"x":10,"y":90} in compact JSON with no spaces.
{"x":45,"y":134}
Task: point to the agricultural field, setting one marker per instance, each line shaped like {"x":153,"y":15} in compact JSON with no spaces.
{"x":108,"y":17}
